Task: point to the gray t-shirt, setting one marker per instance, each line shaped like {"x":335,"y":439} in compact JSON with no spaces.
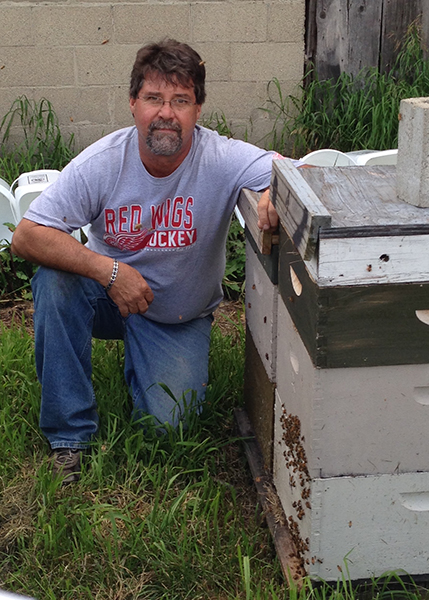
{"x":171,"y":229}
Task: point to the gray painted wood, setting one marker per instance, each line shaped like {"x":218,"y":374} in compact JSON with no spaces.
{"x":346,"y":36}
{"x":300,"y":210}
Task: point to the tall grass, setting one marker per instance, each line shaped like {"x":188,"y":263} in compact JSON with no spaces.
{"x":351,"y":113}
{"x":31,"y":138}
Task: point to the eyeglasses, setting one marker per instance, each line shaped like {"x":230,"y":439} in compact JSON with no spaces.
{"x":177,"y":104}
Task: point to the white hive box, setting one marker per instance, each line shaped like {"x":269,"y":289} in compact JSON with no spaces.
{"x":261,"y":326}
{"x":376,"y":522}
{"x":352,"y":400}
{"x":261,"y":311}
{"x":355,"y":421}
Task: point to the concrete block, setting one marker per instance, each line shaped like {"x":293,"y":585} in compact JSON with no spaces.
{"x":353,"y":421}
{"x":105,"y":65}
{"x":262,"y":62}
{"x":286,"y":21}
{"x":17,"y":26}
{"x":243,"y":22}
{"x":79,"y":105}
{"x":217,"y":57}
{"x":121,"y":114}
{"x":90,"y":133}
{"x":36,"y":67}
{"x":412,"y":170}
{"x":261,"y":311}
{"x":144,"y":23}
{"x":72,"y":25}
{"x":237,"y":99}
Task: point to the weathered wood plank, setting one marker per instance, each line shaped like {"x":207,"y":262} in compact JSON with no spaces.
{"x":425,"y":29}
{"x":364,"y":29}
{"x":291,"y":565}
{"x":299,"y":209}
{"x":357,"y":325}
{"x":248,"y":206}
{"x":367,"y":260}
{"x":259,"y":399}
{"x":331,"y":27}
{"x":362,"y":197}
{"x":397,"y":17}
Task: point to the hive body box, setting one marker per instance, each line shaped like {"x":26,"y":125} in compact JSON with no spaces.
{"x":351,"y":423}
{"x":261,"y":344}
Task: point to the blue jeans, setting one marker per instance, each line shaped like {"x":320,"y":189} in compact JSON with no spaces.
{"x":69,"y":311}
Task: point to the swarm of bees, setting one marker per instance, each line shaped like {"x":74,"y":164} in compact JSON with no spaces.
{"x":296,"y":463}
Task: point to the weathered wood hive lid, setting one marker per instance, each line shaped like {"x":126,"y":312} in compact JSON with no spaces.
{"x":350,"y":226}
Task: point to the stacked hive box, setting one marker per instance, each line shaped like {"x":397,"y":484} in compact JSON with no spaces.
{"x":261,"y":327}
{"x":351,"y":416}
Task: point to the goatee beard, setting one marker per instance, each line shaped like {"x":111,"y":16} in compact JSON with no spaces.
{"x":162,"y":142}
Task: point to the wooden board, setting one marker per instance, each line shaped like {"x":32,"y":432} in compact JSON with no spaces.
{"x":299,"y":209}
{"x":259,"y":400}
{"x":397,"y":17}
{"x":248,"y":206}
{"x":354,"y":421}
{"x":357,"y":325}
{"x":269,"y":262}
{"x":291,"y":564}
{"x":261,"y":312}
{"x":363,"y":197}
{"x":378,"y":522}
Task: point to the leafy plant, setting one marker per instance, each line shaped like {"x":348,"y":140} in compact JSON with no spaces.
{"x":351,"y":113}
{"x":15,"y":273}
{"x":234,"y":277}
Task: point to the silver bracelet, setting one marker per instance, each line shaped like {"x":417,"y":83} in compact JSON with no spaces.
{"x":114,"y":275}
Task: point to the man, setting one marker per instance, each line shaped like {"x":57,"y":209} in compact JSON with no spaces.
{"x":159,"y":197}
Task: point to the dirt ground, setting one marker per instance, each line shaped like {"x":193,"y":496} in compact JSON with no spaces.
{"x":20,"y":312}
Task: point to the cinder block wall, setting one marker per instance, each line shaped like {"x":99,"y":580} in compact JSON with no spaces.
{"x":79,"y":55}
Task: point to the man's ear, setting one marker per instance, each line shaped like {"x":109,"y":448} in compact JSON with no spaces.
{"x":132,"y":105}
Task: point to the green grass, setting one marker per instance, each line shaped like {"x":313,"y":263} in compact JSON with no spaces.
{"x":170,"y":516}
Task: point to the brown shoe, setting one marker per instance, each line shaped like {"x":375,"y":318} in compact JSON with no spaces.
{"x":67,"y":463}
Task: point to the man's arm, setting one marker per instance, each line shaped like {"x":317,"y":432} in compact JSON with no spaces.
{"x":58,"y":250}
{"x":268,"y":218}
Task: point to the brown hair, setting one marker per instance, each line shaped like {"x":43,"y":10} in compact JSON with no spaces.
{"x":175,"y":61}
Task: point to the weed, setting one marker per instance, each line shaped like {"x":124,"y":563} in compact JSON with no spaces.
{"x":40,"y":145}
{"x":217,"y":122}
{"x":15,"y":273}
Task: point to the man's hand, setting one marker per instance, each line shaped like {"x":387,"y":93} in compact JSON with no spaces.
{"x":268,"y":217}
{"x":130,"y":292}
{"x":59,"y":250}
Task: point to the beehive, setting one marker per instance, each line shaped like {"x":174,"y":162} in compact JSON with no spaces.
{"x":351,"y":411}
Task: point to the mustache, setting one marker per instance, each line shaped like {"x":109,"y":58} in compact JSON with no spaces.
{"x":162,"y":124}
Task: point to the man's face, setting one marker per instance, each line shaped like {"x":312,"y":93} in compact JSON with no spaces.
{"x":163,"y":130}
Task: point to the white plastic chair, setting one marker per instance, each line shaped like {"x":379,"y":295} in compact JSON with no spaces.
{"x":6,"y":214}
{"x":328,"y":158}
{"x":374,"y":157}
{"x":28,"y":186}
{"x":239,"y":217}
